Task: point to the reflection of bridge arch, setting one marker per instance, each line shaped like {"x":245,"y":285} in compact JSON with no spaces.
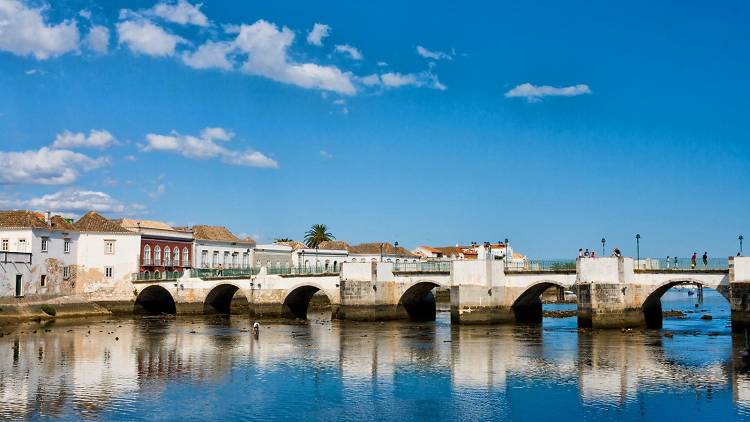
{"x":528,"y":306}
{"x":419,"y":302}
{"x":154,"y":300}
{"x":652,"y":311}
{"x":224,"y":299}
{"x":297,"y":300}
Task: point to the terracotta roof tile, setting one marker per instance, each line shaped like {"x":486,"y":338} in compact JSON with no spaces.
{"x":95,"y":223}
{"x":374,"y":248}
{"x":218,"y":233}
{"x":22,"y":220}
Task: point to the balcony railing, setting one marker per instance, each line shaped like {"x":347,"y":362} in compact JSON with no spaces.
{"x":423,"y":267}
{"x":15,"y":257}
{"x":319,"y":269}
{"x":147,"y":261}
{"x":226,"y":272}
{"x":149,"y":276}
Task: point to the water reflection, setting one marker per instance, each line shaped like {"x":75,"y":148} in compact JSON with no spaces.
{"x":206,"y":367}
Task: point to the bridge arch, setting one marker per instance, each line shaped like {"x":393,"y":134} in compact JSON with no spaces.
{"x":154,"y":300}
{"x":226,"y":299}
{"x":419,"y":302}
{"x":297,"y":300}
{"x":527,"y":308}
{"x":651,"y":306}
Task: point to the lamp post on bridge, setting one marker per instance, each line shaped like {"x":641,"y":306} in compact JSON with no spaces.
{"x":638,"y":249}
{"x":507,"y":249}
{"x":741,"y":238}
{"x":395,"y":250}
{"x":604,"y":241}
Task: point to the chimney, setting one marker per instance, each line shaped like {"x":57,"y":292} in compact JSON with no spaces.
{"x":47,"y":216}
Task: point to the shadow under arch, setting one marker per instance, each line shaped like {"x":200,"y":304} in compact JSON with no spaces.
{"x":226,"y":299}
{"x":419,"y":302}
{"x":652,"y":311}
{"x":154,"y":300}
{"x":528,"y":306}
{"x":297,"y":301}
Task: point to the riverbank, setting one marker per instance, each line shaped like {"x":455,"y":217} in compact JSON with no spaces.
{"x":62,"y":307}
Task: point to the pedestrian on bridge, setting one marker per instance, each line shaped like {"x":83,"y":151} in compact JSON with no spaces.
{"x":675,"y":262}
{"x":587,"y":254}
{"x":693,"y":260}
{"x":668,"y":262}
{"x":705,"y":259}
{"x":580,"y":252}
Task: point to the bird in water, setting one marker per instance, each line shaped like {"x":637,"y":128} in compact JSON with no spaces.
{"x":256,"y":330}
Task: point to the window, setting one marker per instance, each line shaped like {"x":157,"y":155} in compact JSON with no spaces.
{"x":235,"y":259}
{"x":108,"y":272}
{"x":157,"y":256}
{"x":66,"y":245}
{"x":43,"y":280}
{"x":177,"y":257}
{"x":185,"y":257}
{"x":66,"y":272}
{"x":226,"y":259}
{"x":4,"y":246}
{"x":21,"y":245}
{"x":109,"y":247}
{"x":157,"y":275}
{"x":215,"y":259}
{"x":147,"y":255}
{"x":167,"y":256}
{"x":204,"y":259}
{"x":147,"y":275}
{"x":45,"y":244}
{"x":245,"y":259}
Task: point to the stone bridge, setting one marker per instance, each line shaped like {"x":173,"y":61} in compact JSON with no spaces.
{"x":611,"y":292}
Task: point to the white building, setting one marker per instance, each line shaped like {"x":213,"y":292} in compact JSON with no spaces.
{"x":380,"y":252}
{"x":107,"y":256}
{"x":327,"y":256}
{"x":214,"y":246}
{"x":37,"y":252}
{"x":272,"y":255}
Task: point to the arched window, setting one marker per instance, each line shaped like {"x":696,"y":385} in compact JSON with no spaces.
{"x":146,"y":275}
{"x":147,"y":255}
{"x":388,"y":260}
{"x":363,"y":260}
{"x":374,"y":260}
{"x":185,"y":257}
{"x":397,"y":260}
{"x":157,"y":256}
{"x":307,"y":264}
{"x":335,"y":265}
{"x":176,"y":257}
{"x":157,"y":274}
{"x":327,"y":264}
{"x":167,"y":256}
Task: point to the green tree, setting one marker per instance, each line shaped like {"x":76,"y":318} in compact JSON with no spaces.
{"x":317,"y":234}
{"x":283,"y":240}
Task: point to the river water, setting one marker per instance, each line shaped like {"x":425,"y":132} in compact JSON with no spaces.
{"x":212,"y":369}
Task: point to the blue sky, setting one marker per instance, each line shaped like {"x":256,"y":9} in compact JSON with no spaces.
{"x":423,"y":123}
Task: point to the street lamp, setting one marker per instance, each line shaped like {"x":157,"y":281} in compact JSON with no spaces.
{"x":604,"y":241}
{"x":740,"y":239}
{"x":381,"y":252}
{"x":395,"y":249}
{"x":638,"y":248}
{"x":506,"y":251}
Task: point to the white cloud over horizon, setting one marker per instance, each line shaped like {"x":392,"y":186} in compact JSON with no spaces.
{"x":434,"y":55}
{"x":25,"y":32}
{"x":98,"y":39}
{"x":347,"y":49}
{"x":75,"y":202}
{"x":207,"y":146}
{"x":142,"y":36}
{"x":46,"y":166}
{"x":533,"y":93}
{"x":95,"y":139}
{"x":181,"y":12}
{"x":317,"y":33}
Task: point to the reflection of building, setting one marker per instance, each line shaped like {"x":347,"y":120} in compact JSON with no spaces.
{"x":214,"y":246}
{"x":164,"y":249}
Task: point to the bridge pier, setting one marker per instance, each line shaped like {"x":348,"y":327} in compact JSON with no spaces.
{"x":739,"y":293}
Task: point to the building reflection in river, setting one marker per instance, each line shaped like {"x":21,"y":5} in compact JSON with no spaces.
{"x":77,"y":370}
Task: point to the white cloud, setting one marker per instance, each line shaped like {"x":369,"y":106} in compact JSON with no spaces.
{"x":370,"y":80}
{"x":45,"y":166}
{"x":98,"y":39}
{"x":159,"y":191}
{"x":205,"y":147}
{"x":209,"y":55}
{"x":534,"y":93}
{"x":181,"y":12}
{"x":95,"y":139}
{"x":326,"y":154}
{"x":382,"y":64}
{"x":434,"y":55}
{"x":266,"y":48}
{"x":75,"y":201}
{"x":23,"y":31}
{"x":316,"y":35}
{"x":144,"y":37}
{"x":351,"y":51}
{"x":421,"y":79}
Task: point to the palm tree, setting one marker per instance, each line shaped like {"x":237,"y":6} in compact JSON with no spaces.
{"x":317,"y":234}
{"x":283,"y":240}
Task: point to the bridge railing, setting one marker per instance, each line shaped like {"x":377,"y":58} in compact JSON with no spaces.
{"x":541,"y":265}
{"x":681,"y":264}
{"x":226,"y":272}
{"x":320,"y":269}
{"x":151,"y":276}
{"x":426,"y":267}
